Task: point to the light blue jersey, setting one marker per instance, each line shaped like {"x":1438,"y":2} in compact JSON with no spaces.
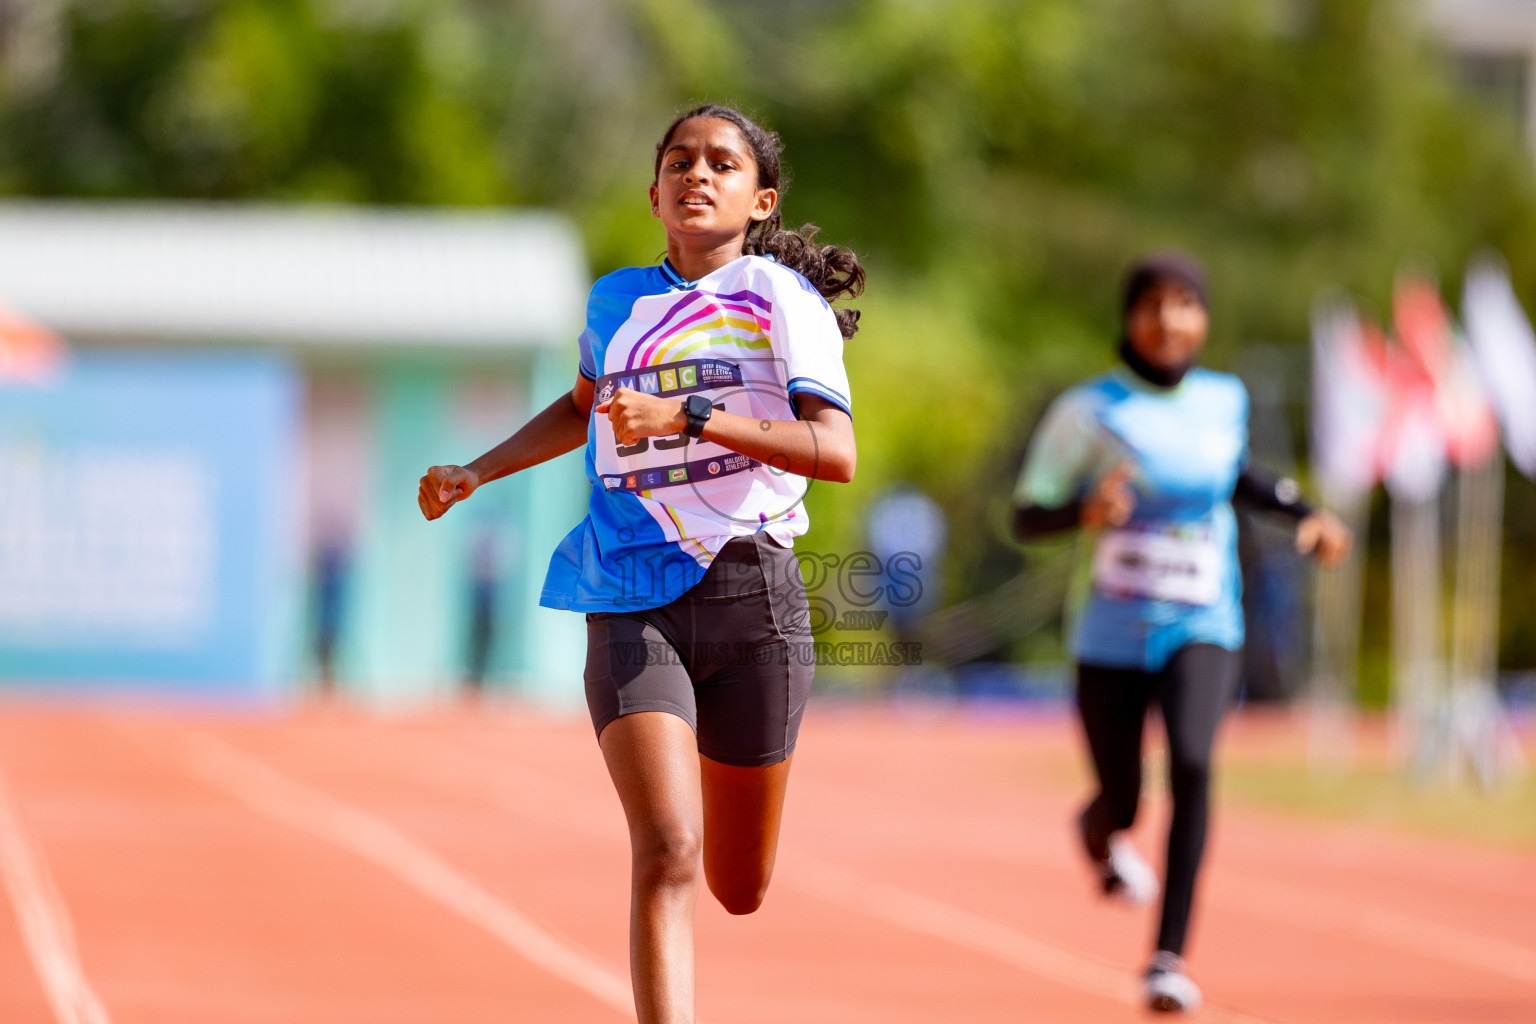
{"x":1170,"y":576}
{"x":753,"y":336}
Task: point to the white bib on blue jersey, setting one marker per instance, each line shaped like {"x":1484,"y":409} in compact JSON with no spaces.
{"x":1170,"y":577}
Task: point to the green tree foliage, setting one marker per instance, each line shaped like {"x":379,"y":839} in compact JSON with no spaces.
{"x":997,"y":162}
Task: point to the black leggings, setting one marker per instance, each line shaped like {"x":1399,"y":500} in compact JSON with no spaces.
{"x":1193,"y":691}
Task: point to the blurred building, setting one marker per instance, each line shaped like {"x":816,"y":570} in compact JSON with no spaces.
{"x":218,"y":492}
{"x":1493,"y":44}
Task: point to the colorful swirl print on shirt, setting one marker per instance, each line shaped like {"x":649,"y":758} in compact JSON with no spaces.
{"x":752,"y":337}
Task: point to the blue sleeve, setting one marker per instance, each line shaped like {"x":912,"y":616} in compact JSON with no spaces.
{"x":1062,"y":455}
{"x":588,"y":359}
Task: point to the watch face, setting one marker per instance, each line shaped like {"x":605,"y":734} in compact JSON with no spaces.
{"x":698,"y":405}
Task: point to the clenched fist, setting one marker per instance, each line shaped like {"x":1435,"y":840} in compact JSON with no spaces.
{"x":444,"y":486}
{"x":1112,"y":501}
{"x":1324,"y":537}
{"x":634,"y":415}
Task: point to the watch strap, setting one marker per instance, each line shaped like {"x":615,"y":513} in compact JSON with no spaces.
{"x":696,"y":419}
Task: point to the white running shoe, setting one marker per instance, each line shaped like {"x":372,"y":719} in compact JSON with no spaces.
{"x":1126,"y":875}
{"x":1168,"y":989}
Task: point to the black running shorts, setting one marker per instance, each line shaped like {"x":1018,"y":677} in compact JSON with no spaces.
{"x":733,"y":657}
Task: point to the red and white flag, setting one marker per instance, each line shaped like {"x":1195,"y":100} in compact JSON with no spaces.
{"x":29,"y":352}
{"x":1504,"y":350}
{"x":1349,"y":400}
{"x":1447,"y":367}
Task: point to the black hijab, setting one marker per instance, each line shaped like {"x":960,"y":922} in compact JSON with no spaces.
{"x":1146,"y":273}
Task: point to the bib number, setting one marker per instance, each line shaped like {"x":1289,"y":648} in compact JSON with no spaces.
{"x":1158,"y":566}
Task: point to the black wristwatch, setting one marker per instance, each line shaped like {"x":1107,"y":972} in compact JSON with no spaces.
{"x":698,"y":409}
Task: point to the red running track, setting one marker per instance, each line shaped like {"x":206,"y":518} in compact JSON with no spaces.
{"x":330,"y":866}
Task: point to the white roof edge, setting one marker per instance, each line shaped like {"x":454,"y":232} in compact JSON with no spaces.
{"x":1489,"y":26}
{"x":296,"y":274}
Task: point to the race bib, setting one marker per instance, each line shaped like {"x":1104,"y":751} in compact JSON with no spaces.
{"x":652,"y":463}
{"x":1160,"y":566}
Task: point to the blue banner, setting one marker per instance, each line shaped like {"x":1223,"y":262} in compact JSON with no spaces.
{"x":149,"y":525}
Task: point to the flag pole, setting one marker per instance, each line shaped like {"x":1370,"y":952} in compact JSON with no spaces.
{"x":1348,"y":398}
{"x":1479,"y":737}
{"x":1502,"y":350}
{"x":1336,"y":618}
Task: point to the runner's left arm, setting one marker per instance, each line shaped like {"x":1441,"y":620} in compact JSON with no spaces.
{"x":1259,"y":489}
{"x":1318,"y":532}
{"x":820,"y":444}
{"x":808,"y":345}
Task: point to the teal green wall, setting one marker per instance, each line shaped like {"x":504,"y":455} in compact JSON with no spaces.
{"x":549,"y":501}
{"x":406,"y":634}
{"x":397,"y":636}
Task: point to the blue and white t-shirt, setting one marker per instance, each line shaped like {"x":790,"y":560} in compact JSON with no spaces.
{"x":752,"y":335}
{"x":1170,"y":576}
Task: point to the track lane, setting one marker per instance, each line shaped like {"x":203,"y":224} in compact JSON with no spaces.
{"x":191,"y":907}
{"x":965,"y":835}
{"x":852,"y":813}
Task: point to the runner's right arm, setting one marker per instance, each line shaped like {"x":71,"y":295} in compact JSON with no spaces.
{"x":561,"y":427}
{"x":1067,"y":452}
{"x":1110,"y":503}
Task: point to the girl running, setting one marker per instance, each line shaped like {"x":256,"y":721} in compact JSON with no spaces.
{"x":1149,"y":458}
{"x":710,"y":388}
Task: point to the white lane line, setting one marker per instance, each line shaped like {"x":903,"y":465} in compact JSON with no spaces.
{"x":45,"y":926}
{"x":819,"y":879}
{"x":1293,"y":905}
{"x":374,"y":840}
{"x":961,"y":927}
{"x":1245,"y":892}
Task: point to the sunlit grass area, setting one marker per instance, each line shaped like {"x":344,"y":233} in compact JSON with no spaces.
{"x":1265,"y":763}
{"x":1384,"y":796}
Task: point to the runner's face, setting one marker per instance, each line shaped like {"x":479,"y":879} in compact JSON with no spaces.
{"x":707,"y":191}
{"x":1167,"y":325}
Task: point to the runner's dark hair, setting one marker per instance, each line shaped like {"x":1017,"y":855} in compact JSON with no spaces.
{"x":832,"y":270}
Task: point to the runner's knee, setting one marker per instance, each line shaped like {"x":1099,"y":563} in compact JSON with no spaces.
{"x":1189,"y":775}
{"x":667,"y":857}
{"x":1115,"y":808}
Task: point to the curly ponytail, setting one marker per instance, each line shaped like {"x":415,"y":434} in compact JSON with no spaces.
{"x":832,"y":270}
